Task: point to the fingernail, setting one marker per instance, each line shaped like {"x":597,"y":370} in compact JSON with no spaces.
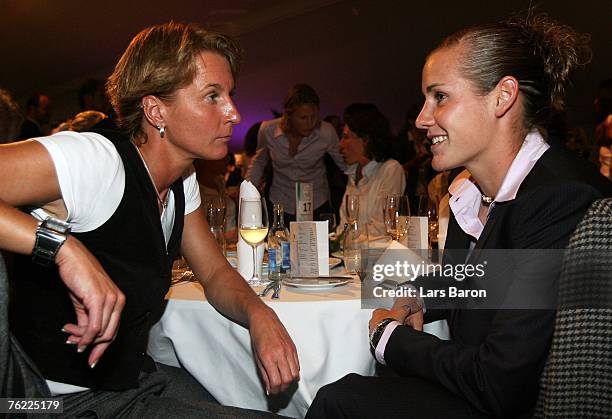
{"x":70,"y":343}
{"x":267,"y":392}
{"x":93,"y":365}
{"x":81,"y":349}
{"x":64,"y":330}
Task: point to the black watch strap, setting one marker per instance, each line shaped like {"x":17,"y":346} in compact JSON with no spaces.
{"x":50,"y":236}
{"x":378,"y":331}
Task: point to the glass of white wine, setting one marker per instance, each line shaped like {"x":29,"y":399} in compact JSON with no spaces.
{"x":253,"y":227}
{"x":397,"y":216}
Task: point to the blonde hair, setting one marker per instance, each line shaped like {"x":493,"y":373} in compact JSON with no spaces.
{"x":159,"y":61}
{"x":298,"y":95}
{"x":83,"y":121}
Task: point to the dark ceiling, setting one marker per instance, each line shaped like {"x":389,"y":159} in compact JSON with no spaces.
{"x":350,"y":49}
{"x":45,"y":42}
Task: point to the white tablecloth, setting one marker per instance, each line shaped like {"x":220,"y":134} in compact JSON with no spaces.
{"x":328,"y":327}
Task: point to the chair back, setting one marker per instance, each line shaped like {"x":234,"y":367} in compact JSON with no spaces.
{"x":577,"y":377}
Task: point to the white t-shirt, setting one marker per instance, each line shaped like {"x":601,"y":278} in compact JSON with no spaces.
{"x":92,"y":181}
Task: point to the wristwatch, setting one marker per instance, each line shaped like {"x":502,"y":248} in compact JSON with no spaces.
{"x":378,"y":331}
{"x":50,"y":236}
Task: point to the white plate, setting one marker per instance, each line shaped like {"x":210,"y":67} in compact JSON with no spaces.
{"x":315,"y":283}
{"x":333,"y":262}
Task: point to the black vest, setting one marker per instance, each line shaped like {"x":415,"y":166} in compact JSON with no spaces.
{"x":130,"y":246}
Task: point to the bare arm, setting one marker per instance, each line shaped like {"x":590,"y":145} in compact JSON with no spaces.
{"x":275,"y":352}
{"x":29,"y":178}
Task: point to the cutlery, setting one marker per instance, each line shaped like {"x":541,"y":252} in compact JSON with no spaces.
{"x":267,"y":289}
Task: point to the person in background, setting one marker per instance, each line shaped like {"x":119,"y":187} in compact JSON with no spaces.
{"x":84,"y":121}
{"x":211,"y":179}
{"x":335,"y":178}
{"x":602,"y":151}
{"x":250,"y":147}
{"x":296,"y":144}
{"x":38,"y":115}
{"x":489,"y":93}
{"x":105,"y":215}
{"x":91,"y":96}
{"x":366,"y":148}
{"x":336,"y":123}
{"x":10,"y":117}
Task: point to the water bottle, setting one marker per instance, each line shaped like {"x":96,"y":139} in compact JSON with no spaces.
{"x":279,"y":262}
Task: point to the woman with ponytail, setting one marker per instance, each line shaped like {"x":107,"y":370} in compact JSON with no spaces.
{"x":490,"y":92}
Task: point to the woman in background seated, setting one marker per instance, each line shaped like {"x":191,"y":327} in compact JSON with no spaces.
{"x":366,"y":147}
{"x":490,"y":91}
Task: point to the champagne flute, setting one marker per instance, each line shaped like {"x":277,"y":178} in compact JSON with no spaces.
{"x":428,"y":208}
{"x":397,"y":216}
{"x":253,"y":227}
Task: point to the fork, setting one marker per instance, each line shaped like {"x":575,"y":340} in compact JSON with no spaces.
{"x":267,"y":289}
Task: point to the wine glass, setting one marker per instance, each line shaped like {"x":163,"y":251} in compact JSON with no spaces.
{"x":428,"y":208}
{"x":397,"y":216}
{"x":355,"y":248}
{"x":253,"y":227}
{"x":215,"y":215}
{"x":352,"y":207}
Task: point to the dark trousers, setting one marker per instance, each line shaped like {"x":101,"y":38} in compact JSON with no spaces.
{"x":355,"y":396}
{"x":166,"y":393}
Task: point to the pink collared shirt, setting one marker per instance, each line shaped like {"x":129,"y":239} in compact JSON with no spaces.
{"x":465,"y":195}
{"x":465,"y":203}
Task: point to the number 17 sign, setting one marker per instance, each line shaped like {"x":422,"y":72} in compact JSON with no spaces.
{"x":303,"y":201}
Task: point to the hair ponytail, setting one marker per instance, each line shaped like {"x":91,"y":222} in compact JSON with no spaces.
{"x":538,"y":51}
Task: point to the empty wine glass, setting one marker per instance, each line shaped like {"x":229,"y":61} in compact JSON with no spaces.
{"x":215,"y":215}
{"x":253,"y":227}
{"x":355,"y":248}
{"x":397,"y":216}
{"x":352,"y":207}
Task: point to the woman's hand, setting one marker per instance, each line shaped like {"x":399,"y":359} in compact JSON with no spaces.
{"x":98,"y":302}
{"x":274,"y":350}
{"x":412,"y":307}
{"x":406,"y":310}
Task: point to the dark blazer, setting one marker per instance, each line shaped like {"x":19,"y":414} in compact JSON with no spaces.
{"x":495,"y":357}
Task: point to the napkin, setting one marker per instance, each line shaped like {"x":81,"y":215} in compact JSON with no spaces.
{"x":244,"y":250}
{"x":397,"y":252}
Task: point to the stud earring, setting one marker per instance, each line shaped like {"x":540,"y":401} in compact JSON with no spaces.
{"x":162,"y":130}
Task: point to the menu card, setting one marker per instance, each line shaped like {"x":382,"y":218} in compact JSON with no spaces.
{"x":309,"y":248}
{"x":418,"y":231}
